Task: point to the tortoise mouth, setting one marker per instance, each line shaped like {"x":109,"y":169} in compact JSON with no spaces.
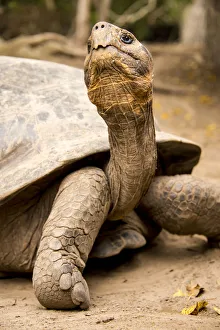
{"x":106,"y":58}
{"x":113,"y":47}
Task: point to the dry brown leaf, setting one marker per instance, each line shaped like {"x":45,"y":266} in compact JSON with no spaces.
{"x":205,"y":99}
{"x":179,"y":293}
{"x":177,"y":111}
{"x":157,"y":105}
{"x":194,"y":290}
{"x":216,"y":309}
{"x":165,"y":115}
{"x":210,"y":129}
{"x":194,"y":309}
{"x":188,"y":116}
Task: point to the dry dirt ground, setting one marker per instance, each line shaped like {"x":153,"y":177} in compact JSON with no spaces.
{"x":135,"y":290}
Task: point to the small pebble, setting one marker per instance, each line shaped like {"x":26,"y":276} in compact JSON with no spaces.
{"x":88,"y":314}
{"x":106,"y":320}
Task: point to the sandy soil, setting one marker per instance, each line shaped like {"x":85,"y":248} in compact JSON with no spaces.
{"x":135,"y":290}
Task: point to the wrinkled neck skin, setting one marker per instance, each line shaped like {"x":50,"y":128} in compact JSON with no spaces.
{"x":132,"y":143}
{"x":132,"y":163}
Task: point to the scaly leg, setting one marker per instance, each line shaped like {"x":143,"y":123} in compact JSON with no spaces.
{"x":129,"y":233}
{"x":184,"y":205}
{"x":79,"y":209}
{"x":21,"y":223}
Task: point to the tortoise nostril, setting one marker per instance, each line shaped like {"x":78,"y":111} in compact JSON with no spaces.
{"x":96,"y":27}
{"x":102,"y":26}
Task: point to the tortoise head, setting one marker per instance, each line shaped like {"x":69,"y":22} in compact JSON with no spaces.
{"x":117,"y":66}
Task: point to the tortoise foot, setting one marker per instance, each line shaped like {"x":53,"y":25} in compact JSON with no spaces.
{"x":132,"y":232}
{"x":59,"y":284}
{"x":113,"y":242}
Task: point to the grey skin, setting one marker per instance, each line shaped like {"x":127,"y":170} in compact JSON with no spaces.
{"x":56,"y":189}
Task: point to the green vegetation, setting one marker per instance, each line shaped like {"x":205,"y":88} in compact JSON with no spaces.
{"x":161,"y":24}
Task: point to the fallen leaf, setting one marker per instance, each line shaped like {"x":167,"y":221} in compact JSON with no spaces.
{"x":165,"y":115}
{"x":179,"y":293}
{"x":194,"y":290}
{"x":194,"y":309}
{"x":205,"y":99}
{"x":210,"y":129}
{"x":216,"y":309}
{"x":188,"y":116}
{"x":177,"y":111}
{"x":157,"y":106}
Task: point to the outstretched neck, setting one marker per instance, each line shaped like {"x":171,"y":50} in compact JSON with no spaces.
{"x":132,"y":155}
{"x":118,"y":74}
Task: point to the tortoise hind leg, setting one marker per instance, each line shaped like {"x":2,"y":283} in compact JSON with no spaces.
{"x":129,"y":233}
{"x":185,"y":205}
{"x":79,"y":209}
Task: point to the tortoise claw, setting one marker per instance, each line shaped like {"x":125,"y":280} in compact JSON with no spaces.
{"x":80,"y":291}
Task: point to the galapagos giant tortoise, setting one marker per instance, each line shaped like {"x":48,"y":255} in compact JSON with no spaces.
{"x":63,"y":174}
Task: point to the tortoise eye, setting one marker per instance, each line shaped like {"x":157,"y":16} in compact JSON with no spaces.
{"x":126,"y":39}
{"x":89,"y":46}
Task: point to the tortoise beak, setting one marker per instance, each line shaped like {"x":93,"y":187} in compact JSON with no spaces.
{"x":102,"y":35}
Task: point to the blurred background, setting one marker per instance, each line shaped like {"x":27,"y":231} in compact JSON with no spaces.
{"x":182,"y":35}
{"x":191,"y":22}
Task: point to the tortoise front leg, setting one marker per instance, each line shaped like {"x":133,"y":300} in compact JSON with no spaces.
{"x":184,"y":205}
{"x":79,"y":209}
